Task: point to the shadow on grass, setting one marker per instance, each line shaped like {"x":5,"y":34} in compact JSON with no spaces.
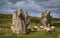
{"x":56,"y":24}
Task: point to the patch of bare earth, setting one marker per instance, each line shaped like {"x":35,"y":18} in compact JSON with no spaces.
{"x":58,"y":36}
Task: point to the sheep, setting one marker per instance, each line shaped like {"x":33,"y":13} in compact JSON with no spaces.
{"x":28,"y":29}
{"x":52,"y":28}
{"x":49,"y":29}
{"x":41,"y":27}
{"x":35,"y":27}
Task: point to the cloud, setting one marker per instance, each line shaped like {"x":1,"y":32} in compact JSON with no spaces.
{"x":33,"y":7}
{"x":53,"y":5}
{"x":14,"y":1}
{"x":41,"y":0}
{"x":28,"y":5}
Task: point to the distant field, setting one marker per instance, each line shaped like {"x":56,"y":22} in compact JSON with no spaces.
{"x":5,"y":31}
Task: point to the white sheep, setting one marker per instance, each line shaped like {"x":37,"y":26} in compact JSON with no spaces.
{"x":36,"y":27}
{"x":41,"y":27}
{"x":49,"y":29}
{"x":52,"y":28}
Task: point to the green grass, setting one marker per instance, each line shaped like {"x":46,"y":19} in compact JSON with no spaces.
{"x":39,"y":34}
{"x":7,"y":33}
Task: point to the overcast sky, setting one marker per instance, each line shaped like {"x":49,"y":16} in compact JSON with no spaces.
{"x":33,"y":7}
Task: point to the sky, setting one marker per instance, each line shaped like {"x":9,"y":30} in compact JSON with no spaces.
{"x":33,"y":7}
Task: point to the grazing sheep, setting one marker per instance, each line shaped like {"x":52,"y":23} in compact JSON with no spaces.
{"x":41,"y":27}
{"x":52,"y":28}
{"x":35,"y":28}
{"x":49,"y":29}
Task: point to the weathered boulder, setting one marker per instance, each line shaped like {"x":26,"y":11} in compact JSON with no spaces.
{"x":20,"y":21}
{"x":46,"y":18}
{"x":46,"y":21}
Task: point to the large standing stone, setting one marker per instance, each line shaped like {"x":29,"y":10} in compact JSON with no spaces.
{"x":46,"y":18}
{"x":20,"y":21}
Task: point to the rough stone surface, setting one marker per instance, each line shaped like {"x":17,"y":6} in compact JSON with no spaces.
{"x":46,"y":18}
{"x":20,"y":21}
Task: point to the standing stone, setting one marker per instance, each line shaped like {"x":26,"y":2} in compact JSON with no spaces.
{"x":20,"y":21}
{"x":46,"y":18}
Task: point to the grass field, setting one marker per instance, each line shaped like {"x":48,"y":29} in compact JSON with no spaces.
{"x":5,"y":31}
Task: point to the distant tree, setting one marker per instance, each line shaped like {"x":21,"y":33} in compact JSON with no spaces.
{"x":35,"y":20}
